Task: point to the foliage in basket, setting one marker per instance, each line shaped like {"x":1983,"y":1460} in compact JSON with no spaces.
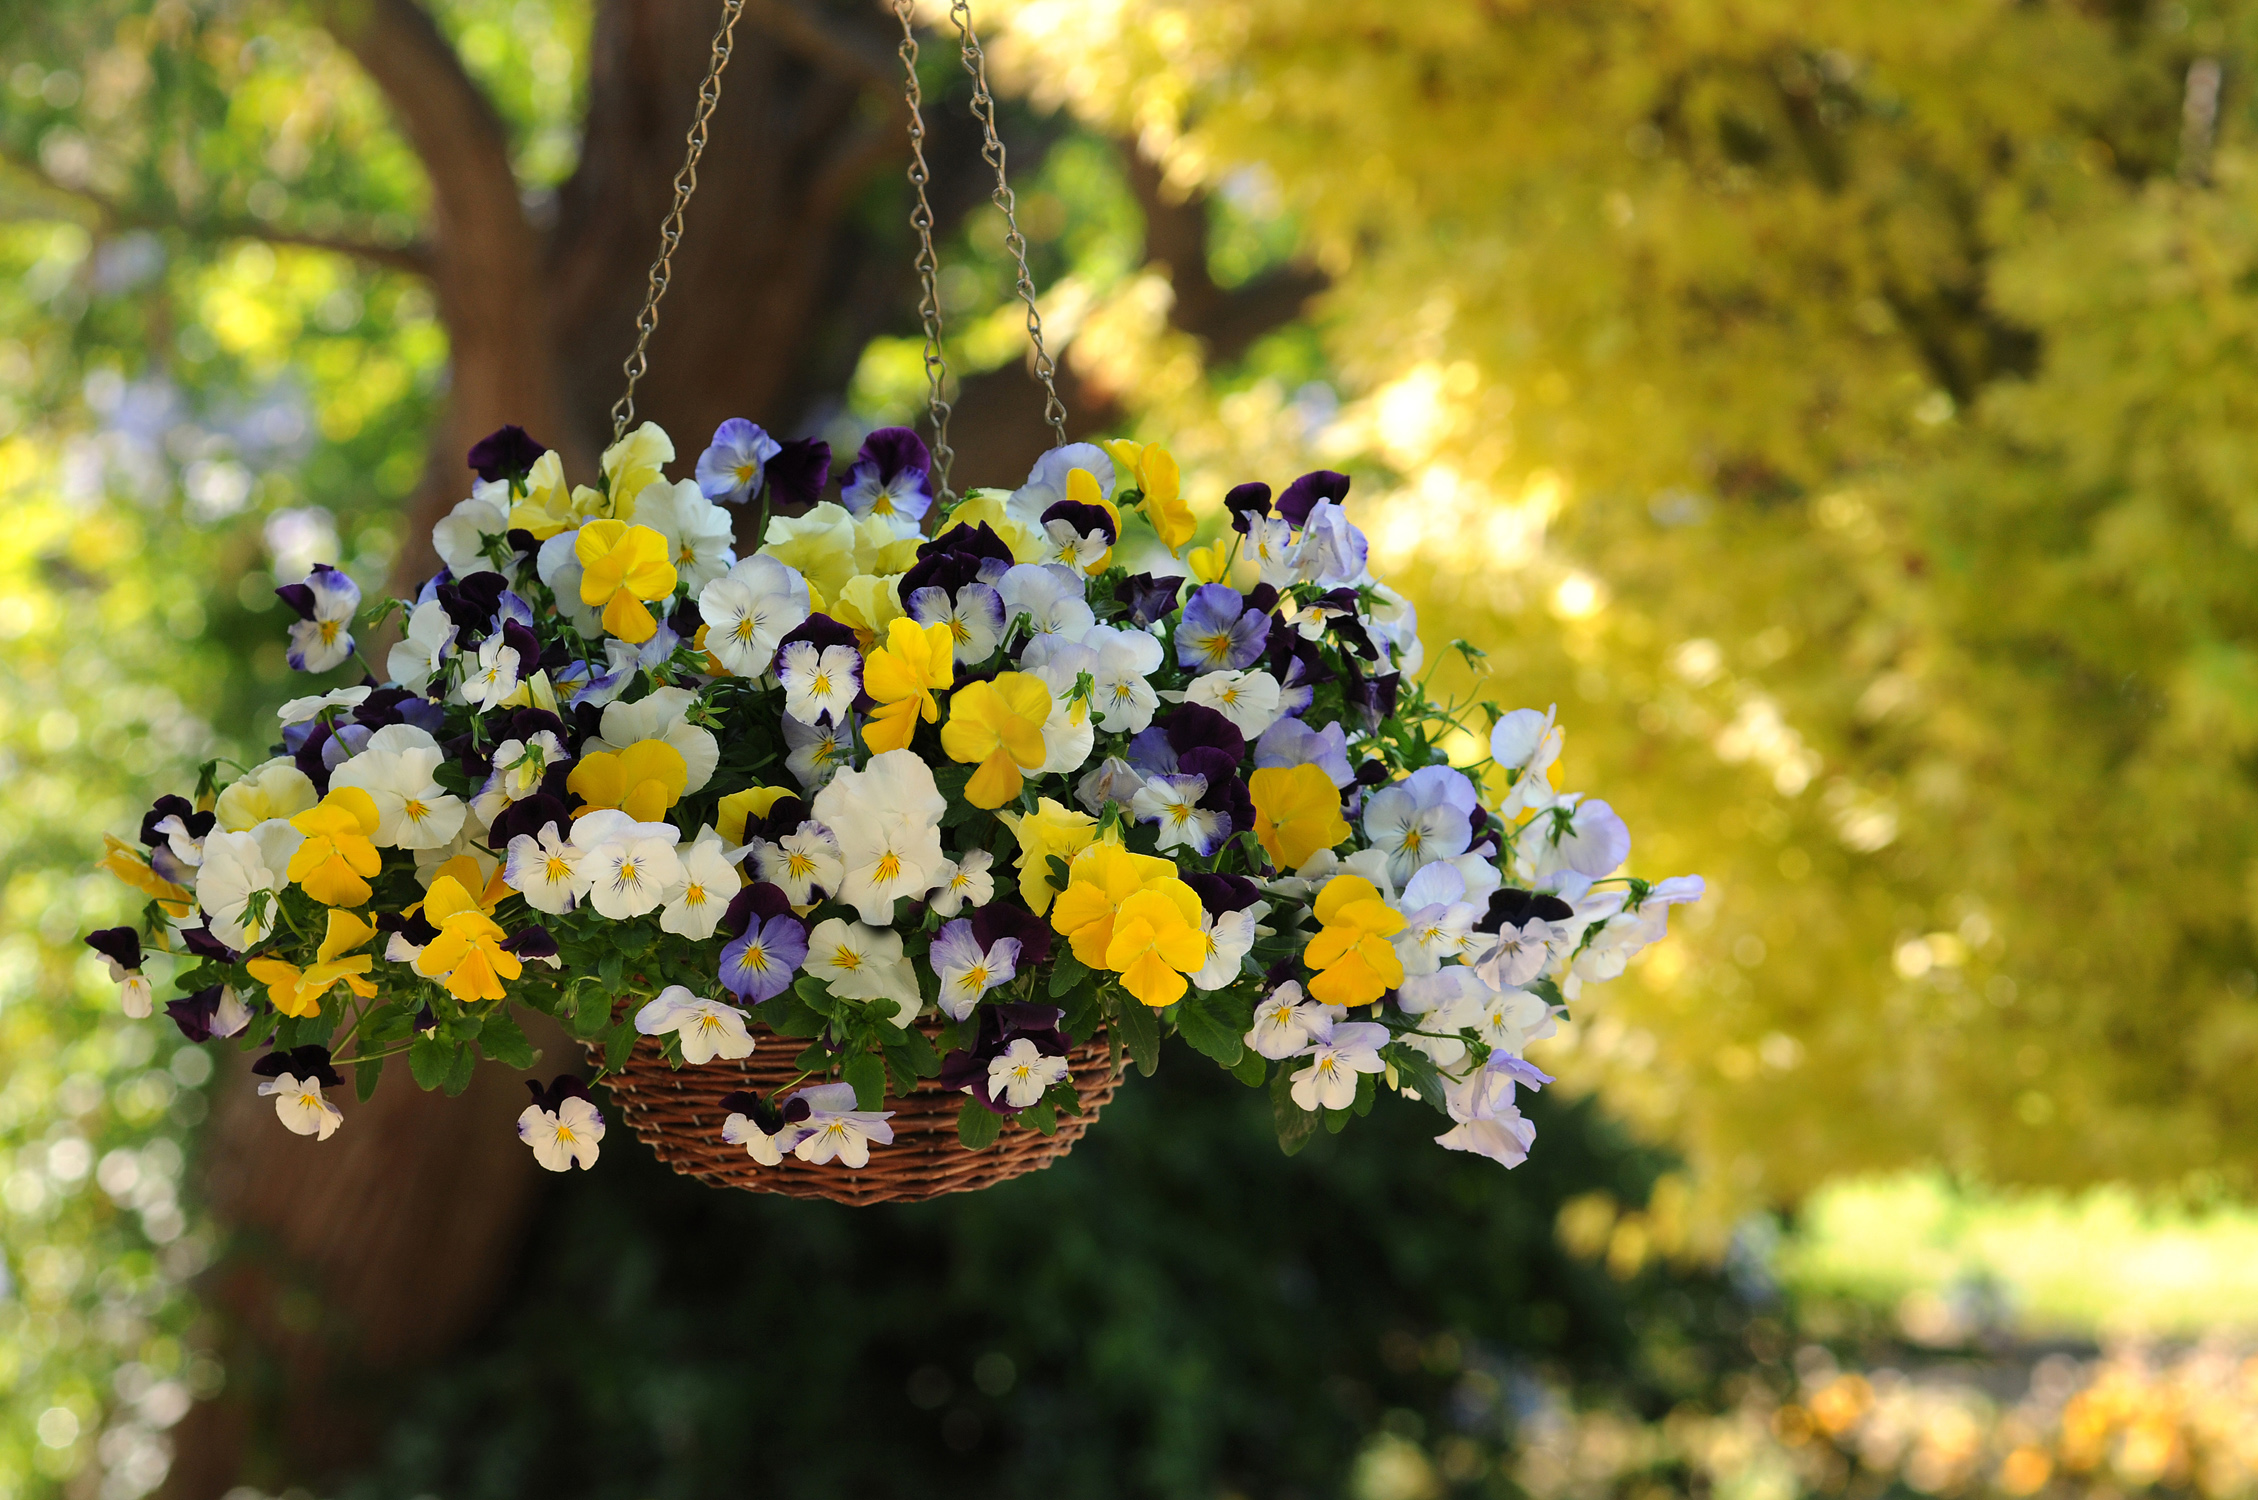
{"x":933,"y":792}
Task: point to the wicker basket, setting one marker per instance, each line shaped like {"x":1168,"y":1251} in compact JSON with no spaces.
{"x":677,"y":1112}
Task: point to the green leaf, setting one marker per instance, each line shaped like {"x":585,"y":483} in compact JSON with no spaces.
{"x":978,"y":1126}
{"x":1139,"y":1026}
{"x":618,"y":1044}
{"x":1295,"y":1124}
{"x":1367,"y":1090}
{"x":459,"y":1069}
{"x":867,"y":1072}
{"x":387,"y":1023}
{"x":814,"y":1060}
{"x":1337,"y":1120}
{"x":1547,"y":990}
{"x":365,"y":1076}
{"x":924,"y":1062}
{"x":1198,"y":1021}
{"x":503,"y":1040}
{"x":1253,"y":1069}
{"x":592,"y":1015}
{"x":612,"y":968}
{"x":1067,"y":971}
{"x":1418,"y":1070}
{"x":428,"y":1061}
{"x":1041,"y":1117}
{"x":1062,"y":1097}
{"x":1082,"y":1013}
{"x":788,"y":1015}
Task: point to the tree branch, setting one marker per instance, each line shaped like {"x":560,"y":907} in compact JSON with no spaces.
{"x":809,"y":37}
{"x":413,"y":257}
{"x":1228,"y":320}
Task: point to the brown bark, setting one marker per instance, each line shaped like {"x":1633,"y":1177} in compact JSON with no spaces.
{"x":380,"y":1248}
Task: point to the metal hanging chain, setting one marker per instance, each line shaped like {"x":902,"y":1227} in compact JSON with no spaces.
{"x":984,"y":109}
{"x":670,"y":228}
{"x":928,"y":264}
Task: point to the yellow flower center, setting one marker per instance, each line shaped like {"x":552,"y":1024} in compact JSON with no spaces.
{"x":415,"y":809}
{"x":628,"y":873}
{"x":329,"y":629}
{"x":977,"y":974}
{"x":800,"y":864}
{"x":846,"y":958}
{"x":744,"y":630}
{"x":889,"y":866}
{"x":557,"y":870}
{"x":820,"y":685}
{"x":695,"y":895}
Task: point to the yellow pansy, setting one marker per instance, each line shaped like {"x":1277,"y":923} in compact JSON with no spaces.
{"x":338,"y":856}
{"x":467,"y":871}
{"x":1211,"y":564}
{"x":1157,"y":941}
{"x":643,"y":780}
{"x":533,"y":692}
{"x":621,"y":566}
{"x":549,"y":505}
{"x":297,"y":992}
{"x":1082,"y":489}
{"x":467,"y":953}
{"x":1152,"y":470}
{"x":868,"y":604}
{"x":739,"y":808}
{"x":1297,"y":811}
{"x":633,"y":462}
{"x":1098,"y":881}
{"x":819,"y":546}
{"x":120,"y":859}
{"x":273,"y":789}
{"x":879,"y":548}
{"x":1052,"y":829}
{"x":997,"y":726}
{"x":1355,"y":961}
{"x":901,"y":675}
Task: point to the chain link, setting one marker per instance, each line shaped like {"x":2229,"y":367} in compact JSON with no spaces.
{"x":928,"y":264}
{"x":670,"y":228}
{"x":992,"y":149}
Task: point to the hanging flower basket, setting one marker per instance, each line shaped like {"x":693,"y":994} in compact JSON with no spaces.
{"x":864,"y":863}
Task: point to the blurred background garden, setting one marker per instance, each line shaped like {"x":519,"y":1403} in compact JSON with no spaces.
{"x":1847,"y":413}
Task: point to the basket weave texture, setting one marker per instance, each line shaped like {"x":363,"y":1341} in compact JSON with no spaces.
{"x":677,"y":1112}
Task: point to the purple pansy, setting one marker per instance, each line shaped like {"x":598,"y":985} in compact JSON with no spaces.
{"x":1218,"y":631}
{"x":799,"y":471}
{"x":1302,"y":495}
{"x":766,"y":946}
{"x":1290,"y":742}
{"x":730,"y":470}
{"x":325,"y":602}
{"x":891,"y":478}
{"x":966,"y":1069}
{"x":1148,"y":596}
{"x":1247,"y":503}
{"x":506,"y":453}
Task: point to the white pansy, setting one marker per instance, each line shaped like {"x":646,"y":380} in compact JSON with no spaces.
{"x":1248,"y":699}
{"x":558,"y":563}
{"x":1525,"y":743}
{"x":964,"y":881}
{"x":493,"y":677}
{"x":1050,"y":596}
{"x":544,"y":868}
{"x":815,"y":752}
{"x":1512,"y":1019}
{"x":236,"y":865}
{"x":1122,"y":695}
{"x":626,"y":868}
{"x":864,"y":963}
{"x":1229,"y":938}
{"x":565,"y":1137}
{"x":819,"y":684}
{"x":835,"y":1130}
{"x":800,"y":864}
{"x":886,"y":818}
{"x":1046,"y":481}
{"x":707,"y":1029}
{"x":749,"y":610}
{"x":1023,"y":1073}
{"x":1438,"y":925}
{"x":709,"y":881}
{"x":413,"y":811}
{"x":1344,"y":1050}
{"x":460,"y":537}
{"x":519,"y":767}
{"x":422,"y":653}
{"x":664,"y":715}
{"x":1286,"y":1022}
{"x":698,"y":532}
{"x":299,"y":1104}
{"x":299,"y":710}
